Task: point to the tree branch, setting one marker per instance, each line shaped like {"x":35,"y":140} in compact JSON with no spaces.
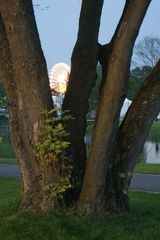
{"x":111,"y":100}
{"x":139,"y":118}
{"x":6,"y":70}
{"x":104,"y":51}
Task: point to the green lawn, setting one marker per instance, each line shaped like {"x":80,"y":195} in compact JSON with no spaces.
{"x":147,"y":168}
{"x":8,"y":160}
{"x":6,"y":150}
{"x":142,"y":223}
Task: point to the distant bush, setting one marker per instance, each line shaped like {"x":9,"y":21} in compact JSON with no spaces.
{"x":154,"y":133}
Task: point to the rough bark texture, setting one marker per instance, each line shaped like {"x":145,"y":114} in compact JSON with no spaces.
{"x":112,"y":97}
{"x":132,"y":135}
{"x":83,"y":74}
{"x":25,"y":78}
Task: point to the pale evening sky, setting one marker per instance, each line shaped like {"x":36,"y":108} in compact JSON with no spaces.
{"x":58,"y":25}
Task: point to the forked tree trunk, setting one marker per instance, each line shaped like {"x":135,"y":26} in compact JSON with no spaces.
{"x":112,"y":97}
{"x":25,"y":78}
{"x":82,"y":77}
{"x":132,"y":135}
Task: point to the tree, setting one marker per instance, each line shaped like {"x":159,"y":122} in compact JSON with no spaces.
{"x":82,"y":78}
{"x":24,"y":74}
{"x":92,"y":197}
{"x":147,"y":51}
{"x":137,"y":77}
{"x":131,"y":137}
{"x":99,"y":182}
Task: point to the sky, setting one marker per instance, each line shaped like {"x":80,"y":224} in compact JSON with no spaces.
{"x":57,"y":22}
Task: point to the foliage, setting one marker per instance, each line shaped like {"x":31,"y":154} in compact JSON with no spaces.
{"x":147,"y":51}
{"x":94,"y":95}
{"x":145,"y":209}
{"x":154,"y":133}
{"x":137,"y":77}
{"x":89,"y":129}
{"x":40,"y":6}
{"x":51,"y":150}
{"x":3,"y":97}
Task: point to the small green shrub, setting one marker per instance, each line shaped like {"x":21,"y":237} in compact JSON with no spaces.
{"x":154,"y":133}
{"x":51,"y":150}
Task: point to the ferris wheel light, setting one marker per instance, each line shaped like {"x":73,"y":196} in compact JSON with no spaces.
{"x":58,"y":77}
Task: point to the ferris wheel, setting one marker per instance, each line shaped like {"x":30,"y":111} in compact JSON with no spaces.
{"x":58,"y":78}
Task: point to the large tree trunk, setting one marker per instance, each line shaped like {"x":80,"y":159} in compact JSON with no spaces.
{"x":25,"y":78}
{"x":132,"y":135}
{"x":82,"y":77}
{"x":112,"y":97}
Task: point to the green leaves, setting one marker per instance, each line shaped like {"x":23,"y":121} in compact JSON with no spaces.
{"x":58,"y":189}
{"x":51,"y":149}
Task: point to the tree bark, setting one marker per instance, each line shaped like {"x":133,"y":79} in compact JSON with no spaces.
{"x":106,"y":50}
{"x":25,"y":78}
{"x":131,"y":138}
{"x":112,"y":97}
{"x":82,"y":77}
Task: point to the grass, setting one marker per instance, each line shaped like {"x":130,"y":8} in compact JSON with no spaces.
{"x":8,"y":160}
{"x":9,"y":195}
{"x":6,"y":150}
{"x":6,"y":153}
{"x":147,"y":168}
{"x":143,"y":222}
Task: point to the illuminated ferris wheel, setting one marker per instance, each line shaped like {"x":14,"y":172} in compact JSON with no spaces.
{"x":58,"y":78}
